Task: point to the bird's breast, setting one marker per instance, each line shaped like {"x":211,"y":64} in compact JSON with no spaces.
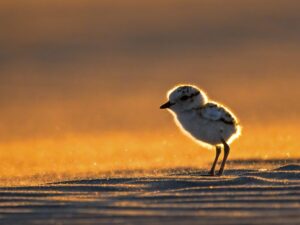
{"x":202,"y":129}
{"x":191,"y":122}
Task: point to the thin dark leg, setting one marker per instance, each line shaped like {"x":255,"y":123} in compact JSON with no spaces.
{"x":212,"y":170}
{"x":226,"y":153}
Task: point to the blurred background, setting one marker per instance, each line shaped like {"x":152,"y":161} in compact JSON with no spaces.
{"x":81,"y":82}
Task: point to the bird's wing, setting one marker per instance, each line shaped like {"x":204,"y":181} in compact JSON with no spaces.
{"x":215,"y":112}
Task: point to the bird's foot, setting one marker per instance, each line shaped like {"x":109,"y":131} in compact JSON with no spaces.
{"x":220,"y":173}
{"x":211,"y":173}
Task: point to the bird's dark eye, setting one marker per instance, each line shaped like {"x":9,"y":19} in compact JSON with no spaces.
{"x":183,"y":98}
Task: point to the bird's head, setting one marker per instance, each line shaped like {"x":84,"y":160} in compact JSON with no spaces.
{"x":184,"y":97}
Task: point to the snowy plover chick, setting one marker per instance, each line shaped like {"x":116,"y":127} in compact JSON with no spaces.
{"x":208,"y":123}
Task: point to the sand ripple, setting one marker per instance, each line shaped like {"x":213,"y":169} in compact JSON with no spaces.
{"x":245,"y":196}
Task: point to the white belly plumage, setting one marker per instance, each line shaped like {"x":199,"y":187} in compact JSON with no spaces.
{"x":205,"y":130}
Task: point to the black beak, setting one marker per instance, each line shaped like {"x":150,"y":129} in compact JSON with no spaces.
{"x":166,"y":105}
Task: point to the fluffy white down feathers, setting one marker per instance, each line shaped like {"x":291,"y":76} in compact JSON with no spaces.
{"x":208,"y":123}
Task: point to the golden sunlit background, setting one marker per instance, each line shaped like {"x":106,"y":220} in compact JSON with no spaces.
{"x":81,"y":82}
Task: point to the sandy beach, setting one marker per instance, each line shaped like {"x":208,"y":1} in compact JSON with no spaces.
{"x":263,"y":192}
{"x":83,"y":139}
